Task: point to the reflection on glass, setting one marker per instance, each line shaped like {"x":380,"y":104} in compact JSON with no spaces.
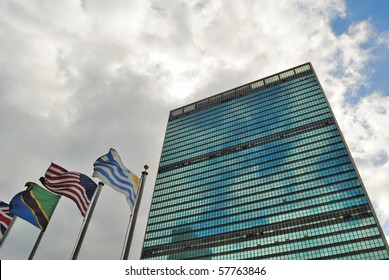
{"x":185,"y":250}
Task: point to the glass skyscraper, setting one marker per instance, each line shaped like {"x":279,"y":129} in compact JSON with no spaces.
{"x":260,"y":172}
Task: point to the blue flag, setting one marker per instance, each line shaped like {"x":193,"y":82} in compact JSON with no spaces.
{"x":110,"y":170}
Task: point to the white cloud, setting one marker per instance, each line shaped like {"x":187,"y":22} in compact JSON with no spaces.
{"x":364,"y":128}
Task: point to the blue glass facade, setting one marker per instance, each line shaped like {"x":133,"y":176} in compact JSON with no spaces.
{"x":260,"y":172}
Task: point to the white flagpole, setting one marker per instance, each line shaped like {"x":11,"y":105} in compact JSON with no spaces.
{"x":86,"y":222}
{"x":127,"y":231}
{"x":135,"y":214}
{"x":38,"y":240}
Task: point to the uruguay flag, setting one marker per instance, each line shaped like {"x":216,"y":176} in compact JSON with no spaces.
{"x":110,"y":170}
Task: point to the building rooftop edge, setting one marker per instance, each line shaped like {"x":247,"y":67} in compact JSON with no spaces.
{"x":239,"y":91}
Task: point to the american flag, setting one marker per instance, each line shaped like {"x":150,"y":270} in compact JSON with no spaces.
{"x":6,"y":218}
{"x":74,"y":185}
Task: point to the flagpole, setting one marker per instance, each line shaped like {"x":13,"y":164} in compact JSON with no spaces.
{"x":135,"y":214}
{"x":127,"y":231}
{"x":86,"y":222}
{"x":38,"y":240}
{"x":8,"y":229}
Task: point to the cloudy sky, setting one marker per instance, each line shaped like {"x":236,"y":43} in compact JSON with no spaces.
{"x":79,"y":77}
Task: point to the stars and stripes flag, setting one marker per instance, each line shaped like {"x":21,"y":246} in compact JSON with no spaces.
{"x":6,"y":218}
{"x":110,"y":169}
{"x":73,"y":185}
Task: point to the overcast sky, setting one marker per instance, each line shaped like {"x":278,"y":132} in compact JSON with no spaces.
{"x":79,"y":77}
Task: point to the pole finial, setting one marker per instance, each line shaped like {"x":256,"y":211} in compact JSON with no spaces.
{"x":146,"y":167}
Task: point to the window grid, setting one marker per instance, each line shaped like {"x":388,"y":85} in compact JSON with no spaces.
{"x":300,"y":84}
{"x":260,"y":172}
{"x":254,"y":121}
{"x":256,"y":218}
{"x":246,"y":112}
{"x":303,"y":119}
{"x":318,"y":134}
{"x":269,"y":157}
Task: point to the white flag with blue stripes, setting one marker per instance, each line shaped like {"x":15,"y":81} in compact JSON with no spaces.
{"x":110,"y":170}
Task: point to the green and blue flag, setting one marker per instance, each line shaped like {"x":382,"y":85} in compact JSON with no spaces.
{"x":35,"y":205}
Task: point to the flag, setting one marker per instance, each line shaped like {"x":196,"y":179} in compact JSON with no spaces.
{"x":6,"y":218}
{"x":111,"y":171}
{"x":35,"y":205}
{"x":74,"y":185}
